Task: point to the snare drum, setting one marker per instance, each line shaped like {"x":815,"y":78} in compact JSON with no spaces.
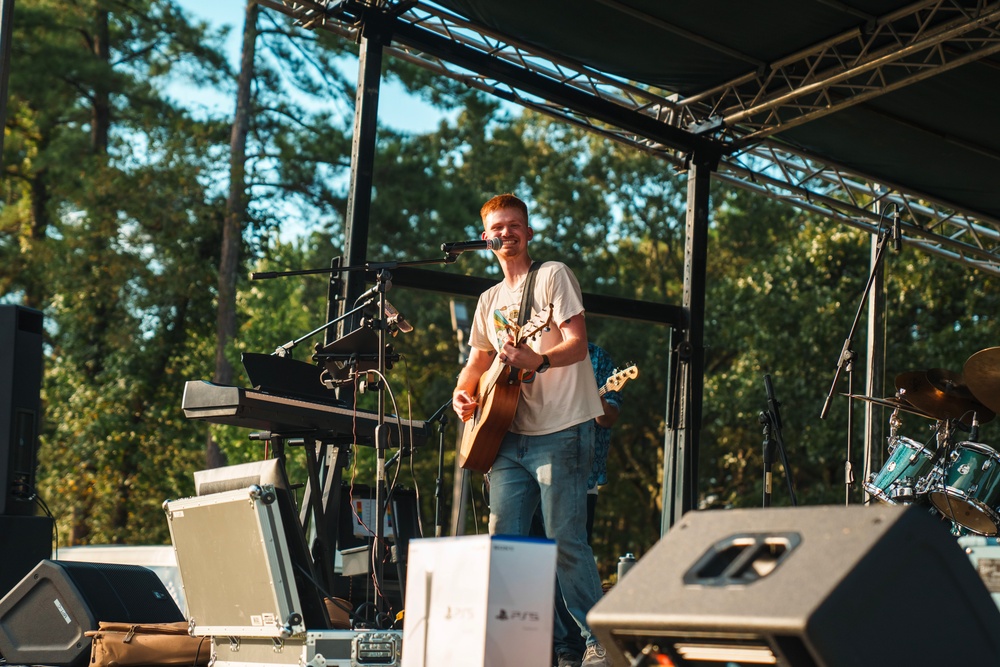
{"x":968,"y":491}
{"x":904,"y":476}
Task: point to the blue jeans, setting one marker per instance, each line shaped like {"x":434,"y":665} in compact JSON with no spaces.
{"x":551,"y":470}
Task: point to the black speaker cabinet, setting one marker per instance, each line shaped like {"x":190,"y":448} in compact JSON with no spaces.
{"x":24,"y":542}
{"x":20,"y":406}
{"x":813,"y":586}
{"x":44,"y":618}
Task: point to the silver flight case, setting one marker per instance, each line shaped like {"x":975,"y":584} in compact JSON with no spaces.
{"x":320,"y":648}
{"x":234,"y":563}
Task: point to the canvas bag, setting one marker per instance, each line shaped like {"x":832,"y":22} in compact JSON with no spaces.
{"x":131,"y":644}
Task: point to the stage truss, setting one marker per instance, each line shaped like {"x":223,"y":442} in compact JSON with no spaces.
{"x":738,"y":121}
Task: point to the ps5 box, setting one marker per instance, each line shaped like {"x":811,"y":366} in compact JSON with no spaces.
{"x":479,"y":600}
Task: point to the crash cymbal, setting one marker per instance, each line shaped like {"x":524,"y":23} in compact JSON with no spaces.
{"x":943,"y":395}
{"x":982,"y":374}
{"x":893,"y":403}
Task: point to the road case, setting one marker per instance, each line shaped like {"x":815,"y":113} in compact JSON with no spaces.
{"x":322,"y":648}
{"x":234,"y":563}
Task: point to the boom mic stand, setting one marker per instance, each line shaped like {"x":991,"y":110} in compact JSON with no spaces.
{"x":846,"y":362}
{"x":383,"y":283}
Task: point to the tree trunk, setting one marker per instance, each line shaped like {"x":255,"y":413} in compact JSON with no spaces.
{"x":100,"y":122}
{"x":232,"y":231}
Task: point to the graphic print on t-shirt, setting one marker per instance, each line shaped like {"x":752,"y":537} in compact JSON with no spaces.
{"x":504,"y":321}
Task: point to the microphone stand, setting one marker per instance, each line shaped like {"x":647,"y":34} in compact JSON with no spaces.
{"x":846,"y":363}
{"x":383,"y":283}
{"x":765,"y":420}
{"x":283,"y":350}
{"x":771,"y":419}
{"x":441,"y":418}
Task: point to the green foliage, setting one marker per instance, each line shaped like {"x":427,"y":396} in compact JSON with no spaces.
{"x":113,"y":235}
{"x":118,"y":243}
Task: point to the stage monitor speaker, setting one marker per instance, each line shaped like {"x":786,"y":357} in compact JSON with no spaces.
{"x":24,"y":542}
{"x":813,"y":586}
{"x":44,"y":618}
{"x":20,"y":406}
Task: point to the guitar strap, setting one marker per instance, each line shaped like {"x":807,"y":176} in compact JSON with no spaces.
{"x":529,"y":287}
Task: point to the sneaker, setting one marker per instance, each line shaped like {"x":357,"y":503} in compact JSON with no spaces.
{"x":595,"y":656}
{"x":566,"y":660}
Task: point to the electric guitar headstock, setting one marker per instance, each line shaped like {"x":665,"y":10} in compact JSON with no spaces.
{"x":619,"y":378}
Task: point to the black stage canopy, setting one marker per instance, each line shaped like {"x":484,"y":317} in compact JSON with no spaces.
{"x":832,"y":106}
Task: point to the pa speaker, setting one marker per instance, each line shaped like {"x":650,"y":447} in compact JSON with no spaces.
{"x":817,"y":587}
{"x":20,"y":406}
{"x":43,"y":619}
{"x":24,"y":542}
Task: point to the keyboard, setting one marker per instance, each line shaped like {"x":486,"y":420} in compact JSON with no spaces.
{"x":291,"y":416}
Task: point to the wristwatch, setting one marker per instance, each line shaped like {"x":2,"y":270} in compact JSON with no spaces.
{"x":544,"y":366}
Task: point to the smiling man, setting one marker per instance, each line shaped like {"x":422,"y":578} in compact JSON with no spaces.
{"x":545,"y":457}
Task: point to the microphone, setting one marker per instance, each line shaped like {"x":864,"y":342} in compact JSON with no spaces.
{"x":897,"y":234}
{"x":395,"y":318}
{"x":974,"y":429}
{"x":462,"y":246}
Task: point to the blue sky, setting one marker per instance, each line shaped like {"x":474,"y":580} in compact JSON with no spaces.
{"x":396,"y":108}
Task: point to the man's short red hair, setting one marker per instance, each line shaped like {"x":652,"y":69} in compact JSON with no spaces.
{"x":503,"y":202}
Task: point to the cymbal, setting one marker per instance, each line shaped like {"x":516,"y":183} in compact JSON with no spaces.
{"x":948,"y":381}
{"x":982,"y":373}
{"x":892,"y":403}
{"x":943,"y":395}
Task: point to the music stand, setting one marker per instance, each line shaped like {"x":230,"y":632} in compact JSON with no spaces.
{"x":285,"y":376}
{"x":356,"y":352}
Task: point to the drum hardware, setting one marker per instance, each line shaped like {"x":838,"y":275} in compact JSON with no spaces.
{"x":892,"y":402}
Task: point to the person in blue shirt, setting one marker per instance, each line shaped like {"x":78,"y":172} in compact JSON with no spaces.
{"x":604,"y":368}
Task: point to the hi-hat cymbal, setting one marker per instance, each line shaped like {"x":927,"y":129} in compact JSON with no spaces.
{"x":943,"y":395}
{"x":893,"y":403}
{"x":982,"y":374}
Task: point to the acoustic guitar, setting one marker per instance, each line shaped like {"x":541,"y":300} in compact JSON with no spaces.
{"x":496,"y":401}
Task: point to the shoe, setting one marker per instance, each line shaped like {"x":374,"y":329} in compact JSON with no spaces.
{"x":566,"y":660}
{"x":595,"y":656}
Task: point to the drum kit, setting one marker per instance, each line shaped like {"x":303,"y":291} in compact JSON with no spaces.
{"x":960,"y":479}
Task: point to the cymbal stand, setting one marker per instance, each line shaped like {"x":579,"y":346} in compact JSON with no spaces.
{"x":846,"y":363}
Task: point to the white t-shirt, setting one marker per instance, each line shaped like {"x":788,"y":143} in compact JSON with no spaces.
{"x":560,"y":397}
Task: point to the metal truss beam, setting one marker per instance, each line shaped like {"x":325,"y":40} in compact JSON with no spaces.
{"x":917,"y":42}
{"x":943,"y":33}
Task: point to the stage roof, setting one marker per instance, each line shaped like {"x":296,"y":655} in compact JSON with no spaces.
{"x":832,"y":106}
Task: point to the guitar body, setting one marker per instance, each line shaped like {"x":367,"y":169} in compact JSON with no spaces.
{"x":492,"y":419}
{"x":496,"y":401}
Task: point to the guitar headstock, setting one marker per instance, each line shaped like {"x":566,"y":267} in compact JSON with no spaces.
{"x":541,"y":320}
{"x":619,"y":378}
